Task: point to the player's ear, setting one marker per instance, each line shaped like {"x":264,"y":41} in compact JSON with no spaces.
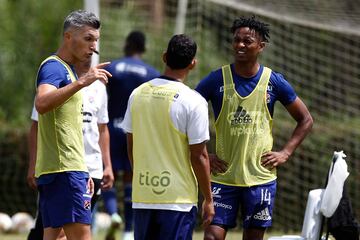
{"x":193,"y":64}
{"x":164,"y":58}
{"x":67,"y":34}
{"x":261,"y":46}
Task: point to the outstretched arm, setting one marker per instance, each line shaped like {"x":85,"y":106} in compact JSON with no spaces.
{"x":104,"y":139}
{"x":200,"y":163}
{"x":302,"y":116}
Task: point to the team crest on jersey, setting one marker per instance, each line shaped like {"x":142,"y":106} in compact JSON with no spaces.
{"x":87,"y":204}
{"x":68,"y":77}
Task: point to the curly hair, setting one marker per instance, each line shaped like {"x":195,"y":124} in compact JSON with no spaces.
{"x":259,"y":27}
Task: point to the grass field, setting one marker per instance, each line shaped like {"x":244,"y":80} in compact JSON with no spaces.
{"x":198,"y":235}
{"x":101,"y":236}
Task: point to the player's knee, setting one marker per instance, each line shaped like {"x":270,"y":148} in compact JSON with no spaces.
{"x":211,"y":236}
{"x":208,"y":236}
{"x":214,"y":234}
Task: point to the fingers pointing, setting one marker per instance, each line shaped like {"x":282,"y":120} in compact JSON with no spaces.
{"x":102,"y":65}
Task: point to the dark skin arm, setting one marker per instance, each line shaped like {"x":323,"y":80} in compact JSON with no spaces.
{"x":32,"y":141}
{"x":217,"y":165}
{"x":201,"y":166}
{"x":129,"y":139}
{"x":302,"y":116}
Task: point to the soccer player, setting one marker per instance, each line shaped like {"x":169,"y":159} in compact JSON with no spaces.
{"x":62,"y":176}
{"x":127,"y":74}
{"x":243,"y":95}
{"x":96,"y":143}
{"x":167,"y":129}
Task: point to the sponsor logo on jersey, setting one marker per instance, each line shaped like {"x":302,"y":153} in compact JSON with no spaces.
{"x":222,"y":205}
{"x":240,"y":116}
{"x":87,"y":117}
{"x":263,"y":215}
{"x":131,"y":68}
{"x":158,"y":183}
{"x":215,"y":192}
{"x":226,"y":87}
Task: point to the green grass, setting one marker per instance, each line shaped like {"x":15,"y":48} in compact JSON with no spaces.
{"x":198,"y":235}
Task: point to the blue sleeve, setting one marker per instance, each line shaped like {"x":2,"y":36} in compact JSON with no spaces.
{"x":153,"y":73}
{"x":54,"y":73}
{"x":283,"y":91}
{"x":208,"y":85}
{"x":211,"y":88}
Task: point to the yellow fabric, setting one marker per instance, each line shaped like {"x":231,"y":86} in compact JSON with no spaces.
{"x":243,"y":133}
{"x":60,"y":145}
{"x":162,"y":171}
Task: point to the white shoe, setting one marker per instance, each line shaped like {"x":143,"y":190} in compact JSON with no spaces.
{"x":128,"y":236}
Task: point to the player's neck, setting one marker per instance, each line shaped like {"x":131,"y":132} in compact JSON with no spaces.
{"x":179,"y":75}
{"x":65,"y":55}
{"x":246,"y":70}
{"x":136,"y":55}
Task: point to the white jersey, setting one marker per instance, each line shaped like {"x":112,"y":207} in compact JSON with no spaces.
{"x":94,"y":113}
{"x":189,"y":114}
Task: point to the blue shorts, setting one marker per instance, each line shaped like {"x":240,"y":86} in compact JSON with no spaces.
{"x":118,"y":149}
{"x":164,"y":224}
{"x":65,"y":200}
{"x":256,"y":204}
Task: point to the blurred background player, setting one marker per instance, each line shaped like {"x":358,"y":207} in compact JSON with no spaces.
{"x":96,"y":143}
{"x":127,"y":73}
{"x":167,"y":128}
{"x":243,"y":95}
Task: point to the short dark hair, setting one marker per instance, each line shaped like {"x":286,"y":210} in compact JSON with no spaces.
{"x":80,"y":18}
{"x":259,"y":27}
{"x":180,"y":52}
{"x":135,"y":43}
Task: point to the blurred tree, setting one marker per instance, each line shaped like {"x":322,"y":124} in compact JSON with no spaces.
{"x":30,"y":31}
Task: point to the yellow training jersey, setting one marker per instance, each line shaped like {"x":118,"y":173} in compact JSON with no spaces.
{"x":243,"y":133}
{"x":60,"y":145}
{"x":162,"y":171}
